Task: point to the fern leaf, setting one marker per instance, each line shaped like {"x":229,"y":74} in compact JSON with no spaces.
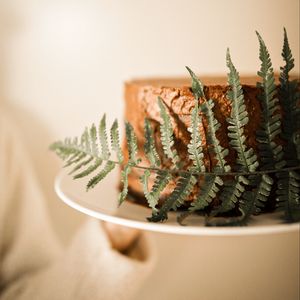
{"x":109,"y":166}
{"x":85,"y":142}
{"x":289,"y":98}
{"x":289,"y":195}
{"x":197,"y":86}
{"x":230,"y":195}
{"x":105,"y":154}
{"x":115,"y":141}
{"x":149,"y":147}
{"x":131,"y":143}
{"x":124,"y":179}
{"x":161,"y":181}
{"x":93,"y":136}
{"x":246,"y":159}
{"x":166,"y":131}
{"x":208,"y":192}
{"x":253,"y":201}
{"x":89,"y":170}
{"x":81,"y":164}
{"x":271,"y":154}
{"x":194,"y":147}
{"x":75,"y":158}
{"x":213,"y":125}
{"x":182,"y":190}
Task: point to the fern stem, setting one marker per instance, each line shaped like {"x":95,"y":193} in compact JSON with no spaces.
{"x":183,"y":172}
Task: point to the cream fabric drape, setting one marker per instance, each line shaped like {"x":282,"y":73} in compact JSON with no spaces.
{"x":33,"y":265}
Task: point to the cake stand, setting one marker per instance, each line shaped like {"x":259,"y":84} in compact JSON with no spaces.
{"x":101,"y":203}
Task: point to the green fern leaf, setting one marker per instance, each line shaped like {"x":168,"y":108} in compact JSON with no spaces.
{"x":270,"y":152}
{"x":166,"y":131}
{"x":246,"y":159}
{"x":131,"y":143}
{"x":197,"y":86}
{"x":105,"y":154}
{"x":149,"y":147}
{"x":85,"y":142}
{"x":109,"y":166}
{"x":289,"y":195}
{"x":194,"y":147}
{"x":93,"y":136}
{"x":213,"y":125}
{"x":115,"y":141}
{"x":161,"y":181}
{"x":230,"y":195}
{"x":176,"y":199}
{"x":75,"y":158}
{"x":81,"y":164}
{"x":89,"y":170}
{"x":208,"y":192}
{"x":124,"y":179}
{"x":289,"y":98}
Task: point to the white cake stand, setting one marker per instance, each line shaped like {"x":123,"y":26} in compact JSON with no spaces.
{"x":101,"y":203}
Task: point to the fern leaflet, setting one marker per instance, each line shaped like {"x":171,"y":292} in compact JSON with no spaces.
{"x":109,"y":166}
{"x":166,"y":131}
{"x":194,"y":147}
{"x":182,"y":190}
{"x":115,"y":141}
{"x":149,"y":147}
{"x":271,"y":154}
{"x":103,"y":138}
{"x":161,"y":181}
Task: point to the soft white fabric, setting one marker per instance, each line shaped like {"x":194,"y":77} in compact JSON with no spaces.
{"x":33,"y":265}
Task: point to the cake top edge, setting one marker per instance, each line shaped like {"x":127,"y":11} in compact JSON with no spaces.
{"x":207,"y":80}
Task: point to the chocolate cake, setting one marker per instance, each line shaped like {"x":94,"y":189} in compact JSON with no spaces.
{"x":141,"y":102}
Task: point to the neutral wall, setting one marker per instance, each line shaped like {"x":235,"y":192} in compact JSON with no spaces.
{"x":63,"y":64}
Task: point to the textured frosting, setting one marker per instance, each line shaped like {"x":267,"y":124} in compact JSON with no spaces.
{"x":141,"y":102}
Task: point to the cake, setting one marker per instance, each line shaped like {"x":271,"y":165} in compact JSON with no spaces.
{"x":141,"y":102}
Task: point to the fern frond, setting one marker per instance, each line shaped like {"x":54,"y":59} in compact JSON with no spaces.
{"x":161,"y":181}
{"x":197,"y":86}
{"x":149,"y":147}
{"x":208,"y":192}
{"x":230,"y":195}
{"x":246,"y":159}
{"x":271,"y":153}
{"x":124,"y":179}
{"x":93,"y":137}
{"x":182,"y":190}
{"x":85,"y":141}
{"x":289,"y":195}
{"x":166,"y":131}
{"x":109,"y":166}
{"x":103,"y":139}
{"x":131,"y":143}
{"x":78,"y":156}
{"x":289,"y":98}
{"x":195,"y":145}
{"x":81,"y":164}
{"x":89,"y":170}
{"x":115,"y":141}
{"x":254,"y":201}
{"x":213,"y":125}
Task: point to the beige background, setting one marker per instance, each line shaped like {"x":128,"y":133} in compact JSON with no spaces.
{"x":63,"y":63}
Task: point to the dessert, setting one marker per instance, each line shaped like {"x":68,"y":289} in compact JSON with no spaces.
{"x":141,"y":102}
